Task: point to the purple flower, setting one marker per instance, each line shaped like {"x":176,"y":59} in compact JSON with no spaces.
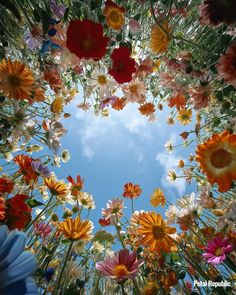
{"x":216,"y":250}
{"x":40,"y":169}
{"x":33,"y":38}
{"x":57,"y":9}
{"x":42,"y":229}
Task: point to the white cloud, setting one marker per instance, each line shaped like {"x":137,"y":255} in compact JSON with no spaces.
{"x":170,"y":161}
{"x":96,"y":132}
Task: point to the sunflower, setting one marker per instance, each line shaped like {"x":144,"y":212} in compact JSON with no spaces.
{"x":217,"y":158}
{"x":159,"y":38}
{"x":76,"y":229}
{"x":16,"y":79}
{"x":185,"y":116}
{"x":155,"y":233}
{"x":57,"y":188}
{"x":158,"y":198}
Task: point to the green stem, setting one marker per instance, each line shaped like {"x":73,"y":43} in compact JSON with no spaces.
{"x":63,"y":267}
{"x":122,"y":289}
{"x":40,"y":214}
{"x":132,"y":205}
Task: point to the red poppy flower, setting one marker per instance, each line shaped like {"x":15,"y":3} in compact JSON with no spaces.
{"x":18,"y":213}
{"x":6,"y":185}
{"x":85,"y":39}
{"x":123,"y":66}
{"x":76,"y":186}
{"x":104,"y":221}
{"x":26,"y":169}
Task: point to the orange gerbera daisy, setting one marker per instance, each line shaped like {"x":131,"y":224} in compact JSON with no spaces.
{"x":158,"y":198}
{"x":16,"y":79}
{"x":217,"y":158}
{"x":26,"y":169}
{"x":114,"y":15}
{"x":178,"y":101}
{"x":118,"y":104}
{"x":132,"y":191}
{"x":159,"y":39}
{"x":56,"y":187}
{"x":155,"y":233}
{"x":76,"y":229}
{"x":147,"y":109}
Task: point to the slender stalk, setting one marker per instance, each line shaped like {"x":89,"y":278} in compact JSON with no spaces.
{"x":40,"y":214}
{"x":122,"y":289}
{"x":63,"y":267}
{"x":132,"y":205}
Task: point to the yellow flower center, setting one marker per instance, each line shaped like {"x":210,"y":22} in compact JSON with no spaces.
{"x":158,"y":232}
{"x":120,"y":270}
{"x":102,"y":80}
{"x":221,"y":158}
{"x":133,"y":88}
{"x":114,"y":16}
{"x":218,"y":252}
{"x":14,"y":81}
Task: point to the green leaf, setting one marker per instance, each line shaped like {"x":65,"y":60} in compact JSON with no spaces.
{"x":72,"y":290}
{"x":137,"y":16}
{"x":34,"y":203}
{"x":174,"y":257}
{"x":10,"y":6}
{"x":45,"y":17}
{"x":66,"y":241}
{"x":66,"y":15}
{"x":181,"y":274}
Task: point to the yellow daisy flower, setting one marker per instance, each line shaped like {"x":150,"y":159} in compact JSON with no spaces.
{"x":158,"y":198}
{"x":76,"y":229}
{"x":185,"y":116}
{"x":56,"y":187}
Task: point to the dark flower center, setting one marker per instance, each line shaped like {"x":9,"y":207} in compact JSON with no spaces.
{"x":158,"y":232}
{"x":14,"y":81}
{"x":221,"y":158}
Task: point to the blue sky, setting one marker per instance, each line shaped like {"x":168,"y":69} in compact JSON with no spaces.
{"x":126,"y":147}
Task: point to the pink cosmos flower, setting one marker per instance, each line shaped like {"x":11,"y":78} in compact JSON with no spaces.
{"x":226,"y":65}
{"x":114,"y":209}
{"x":122,"y":266}
{"x":134,"y":25}
{"x":42,"y":229}
{"x":200,"y":96}
{"x":216,"y":250}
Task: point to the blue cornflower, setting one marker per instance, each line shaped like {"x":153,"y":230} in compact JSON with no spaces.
{"x":16,"y":265}
{"x":49,"y":272}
